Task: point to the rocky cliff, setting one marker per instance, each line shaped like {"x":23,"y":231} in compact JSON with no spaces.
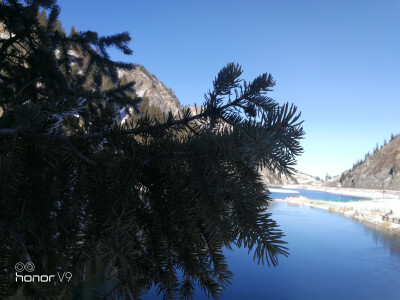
{"x":380,"y":170}
{"x":148,"y":86}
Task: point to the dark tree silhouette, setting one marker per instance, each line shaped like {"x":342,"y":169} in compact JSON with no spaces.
{"x":144,"y":199}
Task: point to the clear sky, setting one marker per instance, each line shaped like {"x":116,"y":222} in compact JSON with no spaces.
{"x":338,"y":61}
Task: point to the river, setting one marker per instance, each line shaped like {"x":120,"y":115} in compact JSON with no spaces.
{"x":331,"y":257}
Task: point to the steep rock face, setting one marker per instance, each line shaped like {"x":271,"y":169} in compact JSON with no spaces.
{"x":381,"y":170}
{"x":148,"y":86}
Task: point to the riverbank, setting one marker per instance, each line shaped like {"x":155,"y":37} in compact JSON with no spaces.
{"x":363,"y":193}
{"x":280,"y":190}
{"x":382,"y":213}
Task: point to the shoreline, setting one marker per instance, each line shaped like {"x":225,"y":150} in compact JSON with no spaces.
{"x":369,"y":212}
{"x":356,"y":192}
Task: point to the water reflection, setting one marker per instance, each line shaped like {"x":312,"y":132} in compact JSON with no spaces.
{"x":387,"y":238}
{"x":331,"y":257}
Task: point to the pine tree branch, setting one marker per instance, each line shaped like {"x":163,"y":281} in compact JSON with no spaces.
{"x":157,"y":165}
{"x":138,"y":130}
{"x":192,"y":129}
{"x":80,"y":154}
{"x":7,"y":44}
{"x":9,"y":131}
{"x":23,"y":88}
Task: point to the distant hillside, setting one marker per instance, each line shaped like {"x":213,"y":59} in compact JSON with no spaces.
{"x":381,"y":170}
{"x":271,"y":178}
{"x":333,"y":182}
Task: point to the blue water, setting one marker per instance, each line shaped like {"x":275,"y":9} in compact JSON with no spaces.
{"x":331,"y":257}
{"x":316,"y":195}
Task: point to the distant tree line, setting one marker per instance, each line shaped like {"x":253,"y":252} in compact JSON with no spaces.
{"x":376,"y":148}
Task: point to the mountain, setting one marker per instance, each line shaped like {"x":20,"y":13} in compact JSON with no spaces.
{"x":381,"y":170}
{"x":148,"y":86}
{"x":299,"y":178}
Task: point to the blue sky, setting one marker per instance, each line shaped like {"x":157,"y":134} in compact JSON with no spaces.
{"x":338,"y":61}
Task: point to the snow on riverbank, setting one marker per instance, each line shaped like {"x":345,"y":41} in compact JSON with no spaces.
{"x":272,"y":190}
{"x":362,"y":193}
{"x":383,"y":212}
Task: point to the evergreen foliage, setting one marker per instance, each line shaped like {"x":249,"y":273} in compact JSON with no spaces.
{"x":392,"y":136}
{"x":146,"y":199}
{"x":72,"y":31}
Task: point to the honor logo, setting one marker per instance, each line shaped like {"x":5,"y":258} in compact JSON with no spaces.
{"x":30,"y":267}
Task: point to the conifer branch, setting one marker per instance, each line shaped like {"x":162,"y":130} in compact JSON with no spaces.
{"x":181,"y":187}
{"x":80,"y":154}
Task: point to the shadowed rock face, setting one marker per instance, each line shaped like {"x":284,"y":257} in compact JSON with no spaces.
{"x":381,"y":170}
{"x":148,"y":86}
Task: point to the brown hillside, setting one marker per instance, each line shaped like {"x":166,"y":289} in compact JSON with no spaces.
{"x":381,"y":170}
